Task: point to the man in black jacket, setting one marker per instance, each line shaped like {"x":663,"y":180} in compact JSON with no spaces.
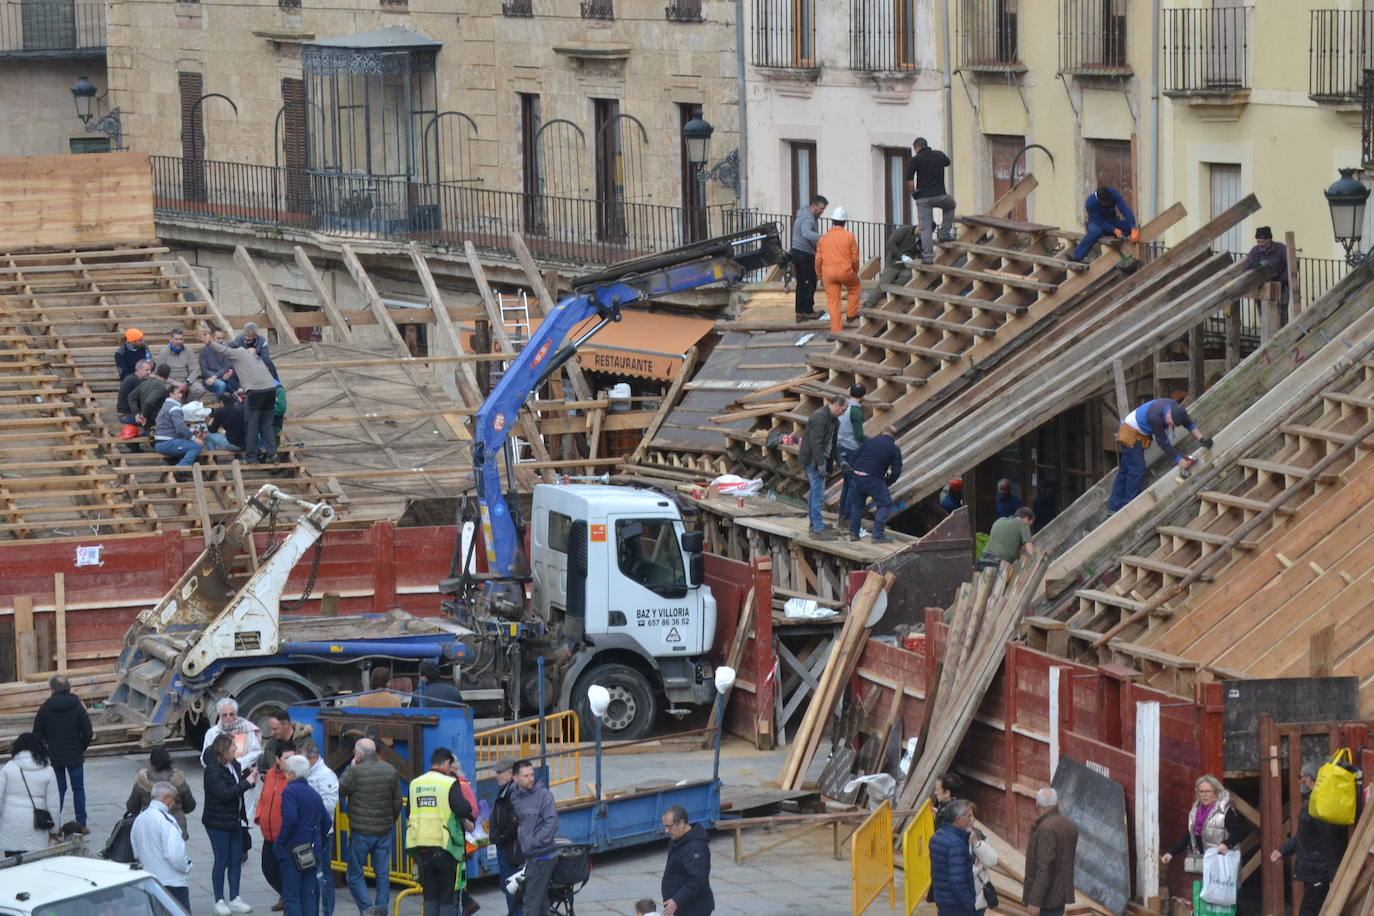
{"x":434,"y":690}
{"x":877,"y":465}
{"x":1320,"y":847}
{"x":686,"y":884}
{"x":925,"y":176}
{"x":502,"y":830}
{"x":817,"y":454}
{"x":65,"y":726}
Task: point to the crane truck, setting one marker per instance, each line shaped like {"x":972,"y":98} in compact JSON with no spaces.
{"x":616,"y":585}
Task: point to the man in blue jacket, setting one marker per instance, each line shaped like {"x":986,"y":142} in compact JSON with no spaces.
{"x":1151,"y":421}
{"x":877,"y":465}
{"x":951,"y":862}
{"x":303,"y":822}
{"x":1108,"y":214}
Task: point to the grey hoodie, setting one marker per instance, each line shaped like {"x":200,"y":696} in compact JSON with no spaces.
{"x":536,"y":818}
{"x":806,"y":231}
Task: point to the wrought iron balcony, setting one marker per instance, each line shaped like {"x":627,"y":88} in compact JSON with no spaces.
{"x":518,"y":9}
{"x":882,"y":35}
{"x":684,"y":11}
{"x":1340,"y":48}
{"x":598,"y":9}
{"x":1206,"y":51}
{"x":988,"y":37}
{"x":1092,"y":37}
{"x":784,"y":34}
{"x":52,"y":28}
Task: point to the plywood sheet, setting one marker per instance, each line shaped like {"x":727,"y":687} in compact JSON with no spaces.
{"x":75,"y":200}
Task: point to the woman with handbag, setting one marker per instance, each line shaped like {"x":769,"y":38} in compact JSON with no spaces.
{"x":1212,"y":821}
{"x":225,"y":820}
{"x":28,"y":797}
{"x":984,"y":860}
{"x":299,"y":843}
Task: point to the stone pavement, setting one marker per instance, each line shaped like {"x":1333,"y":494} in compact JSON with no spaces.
{"x":800,"y":877}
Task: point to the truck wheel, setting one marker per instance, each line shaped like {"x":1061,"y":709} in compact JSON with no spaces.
{"x":258,"y":699}
{"x":193,"y":731}
{"x":633,"y":706}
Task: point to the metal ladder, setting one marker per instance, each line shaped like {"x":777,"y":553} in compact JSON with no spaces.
{"x":515,"y":317}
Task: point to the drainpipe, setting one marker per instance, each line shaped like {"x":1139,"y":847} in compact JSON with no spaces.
{"x":743,"y":107}
{"x":1154,"y":111}
{"x":949,"y":91}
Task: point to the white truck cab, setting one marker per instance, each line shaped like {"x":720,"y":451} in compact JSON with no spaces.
{"x":80,"y":886}
{"x":616,"y":568}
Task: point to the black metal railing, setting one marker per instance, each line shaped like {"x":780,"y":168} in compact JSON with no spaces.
{"x":289,"y":4}
{"x":1340,"y":48}
{"x":1367,"y":119}
{"x":598,"y":9}
{"x":1206,"y":50}
{"x":1092,"y":37}
{"x":783,"y":34}
{"x":988,"y":34}
{"x":683,"y":11}
{"x":518,"y":9}
{"x":882,"y":35}
{"x":47,"y":26}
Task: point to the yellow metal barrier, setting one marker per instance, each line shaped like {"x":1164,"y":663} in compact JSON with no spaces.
{"x":870,"y":861}
{"x":916,"y":857}
{"x":402,"y":867}
{"x":520,"y":740}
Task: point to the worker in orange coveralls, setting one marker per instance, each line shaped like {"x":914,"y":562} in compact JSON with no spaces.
{"x":837,"y":264}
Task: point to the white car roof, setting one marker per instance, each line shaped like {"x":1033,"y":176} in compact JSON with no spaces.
{"x":52,"y":880}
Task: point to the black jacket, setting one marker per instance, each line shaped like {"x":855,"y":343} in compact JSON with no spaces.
{"x":687,"y":874}
{"x":818,"y":441}
{"x":927,"y":169}
{"x":65,"y":726}
{"x":440,"y":693}
{"x":224,"y":791}
{"x":879,"y":456}
{"x":1320,"y":847}
{"x":501,"y":823}
{"x":127,"y":357}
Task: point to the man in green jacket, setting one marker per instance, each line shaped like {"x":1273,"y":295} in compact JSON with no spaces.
{"x":371,"y":792}
{"x":904,"y":242}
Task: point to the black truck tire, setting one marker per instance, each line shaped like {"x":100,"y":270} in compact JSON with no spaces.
{"x":633,"y":709}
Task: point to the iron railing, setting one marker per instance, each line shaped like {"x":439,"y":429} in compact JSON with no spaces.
{"x":1206,"y":50}
{"x":51,"y":26}
{"x":1092,"y":37}
{"x":683,"y":11}
{"x":882,"y":35}
{"x":598,"y":9}
{"x":518,"y":9}
{"x":988,"y":35}
{"x":783,"y":34}
{"x":1340,"y":48}
{"x":1367,"y":119}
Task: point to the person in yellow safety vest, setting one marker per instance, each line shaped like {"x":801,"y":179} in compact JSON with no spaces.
{"x":435,"y":829}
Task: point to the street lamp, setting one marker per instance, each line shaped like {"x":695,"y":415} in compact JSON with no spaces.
{"x":696,"y":133}
{"x":725,"y":679}
{"x":1347,"y":198}
{"x":598,"y":701}
{"x":84,"y":93}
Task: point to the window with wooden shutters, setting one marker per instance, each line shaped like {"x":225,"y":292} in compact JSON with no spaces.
{"x":294,"y":141}
{"x":1007,"y":167}
{"x":192,"y":87}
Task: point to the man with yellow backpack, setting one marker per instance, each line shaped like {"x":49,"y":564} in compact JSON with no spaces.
{"x":438,"y":817}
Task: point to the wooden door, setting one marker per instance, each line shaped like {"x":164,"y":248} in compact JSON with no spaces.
{"x":1005,"y":168}
{"x":1224,"y":179}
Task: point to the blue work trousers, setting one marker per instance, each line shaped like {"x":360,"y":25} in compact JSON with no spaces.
{"x":866,"y":487}
{"x":1095,"y":231}
{"x":187,"y":449}
{"x":300,"y":890}
{"x":1126,"y":487}
{"x":816,"y":476}
{"x":77,"y":775}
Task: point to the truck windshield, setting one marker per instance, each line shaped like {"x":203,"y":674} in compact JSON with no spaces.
{"x":648,"y":552}
{"x":139,"y":898}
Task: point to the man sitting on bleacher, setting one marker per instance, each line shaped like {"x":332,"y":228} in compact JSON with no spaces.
{"x":172,"y":436}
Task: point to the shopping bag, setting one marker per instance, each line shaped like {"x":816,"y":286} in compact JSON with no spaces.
{"x":1203,"y":908}
{"x":1333,"y":796}
{"x":1220,"y":874}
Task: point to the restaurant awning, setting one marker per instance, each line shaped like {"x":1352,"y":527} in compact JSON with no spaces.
{"x":642,"y":344}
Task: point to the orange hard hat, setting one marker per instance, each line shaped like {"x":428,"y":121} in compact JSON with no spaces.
{"x":130,"y":431}
{"x":133,"y":335}
{"x":956,"y":485}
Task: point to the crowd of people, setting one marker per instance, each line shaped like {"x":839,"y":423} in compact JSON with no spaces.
{"x":239,"y":400}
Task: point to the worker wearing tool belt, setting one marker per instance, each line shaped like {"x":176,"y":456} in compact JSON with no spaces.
{"x":1153,"y":420}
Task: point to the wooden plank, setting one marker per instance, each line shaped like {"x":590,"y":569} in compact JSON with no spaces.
{"x":55,"y":201}
{"x":374,"y":299}
{"x":670,"y":401}
{"x":342,"y":331}
{"x":25,"y":643}
{"x":991,"y":277}
{"x":733,"y":657}
{"x":545,"y":302}
{"x":204,"y":293}
{"x":1321,"y":651}
{"x":467,"y":380}
{"x":953,"y":327}
{"x":59,"y":602}
{"x":970,"y":302}
{"x":262,"y":291}
{"x":1123,"y":402}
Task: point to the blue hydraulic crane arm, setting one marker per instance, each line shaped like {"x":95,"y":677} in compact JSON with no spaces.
{"x":724,"y":259}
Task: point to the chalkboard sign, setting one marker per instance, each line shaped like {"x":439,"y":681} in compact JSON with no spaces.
{"x":1288,"y":700}
{"x":1097,"y":806}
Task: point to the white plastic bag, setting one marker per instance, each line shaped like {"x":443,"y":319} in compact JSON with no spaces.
{"x":1220,"y":874}
{"x":734,"y":485}
{"x":805,"y":609}
{"x":881,"y":786}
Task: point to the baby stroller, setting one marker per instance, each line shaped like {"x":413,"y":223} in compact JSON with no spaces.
{"x":571,"y":871}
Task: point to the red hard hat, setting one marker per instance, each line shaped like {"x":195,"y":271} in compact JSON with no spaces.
{"x":130,"y":431}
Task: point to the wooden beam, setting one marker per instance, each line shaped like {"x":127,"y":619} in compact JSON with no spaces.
{"x":1294,"y":276}
{"x":262,"y":290}
{"x":1321,"y":651}
{"x":331,"y":309}
{"x":467,"y":380}
{"x":1123,"y":401}
{"x":546,"y":301}
{"x":374,"y":299}
{"x":204,"y":294}
{"x":498,"y":329}
{"x":59,"y":604}
{"x":25,"y":642}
